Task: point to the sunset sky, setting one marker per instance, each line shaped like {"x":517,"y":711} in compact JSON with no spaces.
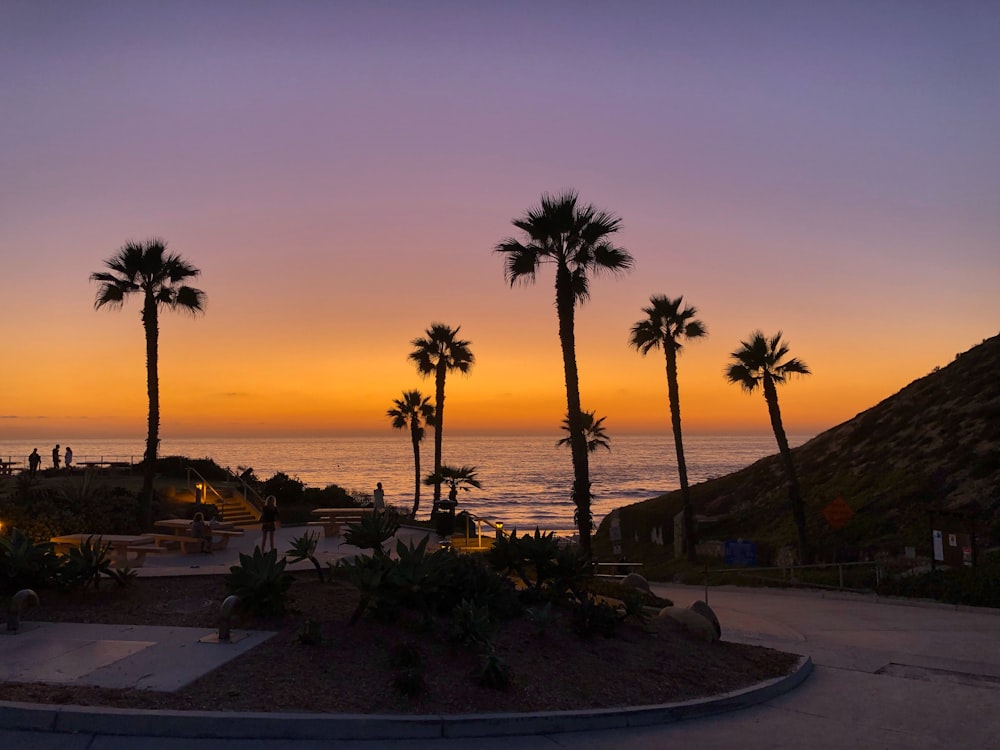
{"x":341,"y":171}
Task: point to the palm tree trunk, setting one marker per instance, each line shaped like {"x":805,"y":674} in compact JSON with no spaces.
{"x":442,"y":372}
{"x":673,"y":391}
{"x":415,"y":434}
{"x":152,"y":329}
{"x":565,"y":308}
{"x":794,"y":493}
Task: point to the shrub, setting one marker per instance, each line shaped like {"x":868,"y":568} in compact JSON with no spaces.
{"x":287,"y":491}
{"x":368,"y":575}
{"x":373,"y":530}
{"x":492,"y":671}
{"x":85,"y":564}
{"x":304,"y":548}
{"x":593,"y":617}
{"x":25,"y":564}
{"x":471,"y":625}
{"x":261,"y":583}
{"x":311,"y":633}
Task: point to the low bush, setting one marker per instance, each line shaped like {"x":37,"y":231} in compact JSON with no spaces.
{"x":261,"y":583}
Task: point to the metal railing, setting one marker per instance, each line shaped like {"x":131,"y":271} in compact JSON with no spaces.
{"x":791,"y":575}
{"x":480,"y":521}
{"x":249,"y":492}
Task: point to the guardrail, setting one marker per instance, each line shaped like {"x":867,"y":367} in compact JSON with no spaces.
{"x":249,"y":493}
{"x":480,"y":521}
{"x":791,"y":575}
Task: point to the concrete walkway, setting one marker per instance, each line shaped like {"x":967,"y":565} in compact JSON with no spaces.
{"x":887,"y":675}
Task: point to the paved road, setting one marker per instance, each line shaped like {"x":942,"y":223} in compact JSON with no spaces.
{"x":887,"y":676}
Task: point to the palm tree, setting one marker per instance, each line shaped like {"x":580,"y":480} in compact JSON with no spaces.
{"x":666,"y":325}
{"x":147,"y":269}
{"x":439,"y":351}
{"x":575,"y":239}
{"x":413,"y":410}
{"x":456,"y":477}
{"x":758,"y":362}
{"x":593,"y":430}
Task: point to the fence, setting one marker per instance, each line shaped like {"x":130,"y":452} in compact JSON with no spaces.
{"x":859,"y":577}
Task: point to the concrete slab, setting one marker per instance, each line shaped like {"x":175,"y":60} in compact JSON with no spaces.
{"x":117,"y":656}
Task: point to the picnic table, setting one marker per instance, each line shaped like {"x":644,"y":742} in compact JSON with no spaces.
{"x":180,"y":534}
{"x":181,"y":526}
{"x":120,"y":543}
{"x":7,"y":467}
{"x":331,"y":519}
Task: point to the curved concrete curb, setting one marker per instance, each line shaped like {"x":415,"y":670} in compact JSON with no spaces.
{"x":231,"y":725}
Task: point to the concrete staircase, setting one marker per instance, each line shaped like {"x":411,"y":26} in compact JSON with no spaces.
{"x":236,"y":509}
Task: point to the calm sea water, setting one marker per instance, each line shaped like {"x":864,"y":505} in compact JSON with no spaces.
{"x":526,"y":479}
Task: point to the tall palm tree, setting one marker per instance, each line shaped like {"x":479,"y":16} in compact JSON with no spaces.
{"x":148,"y":270}
{"x":666,"y":325}
{"x":760,"y":362}
{"x":413,"y":410}
{"x":437,"y":352}
{"x":593,"y":430}
{"x":574,"y":239}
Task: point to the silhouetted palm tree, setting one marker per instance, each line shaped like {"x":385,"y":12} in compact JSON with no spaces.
{"x":758,"y":362}
{"x":575,"y":239}
{"x":593,"y":430}
{"x":439,"y":351}
{"x":456,"y":477}
{"x":666,"y":325}
{"x":413,"y":410}
{"x":148,"y":270}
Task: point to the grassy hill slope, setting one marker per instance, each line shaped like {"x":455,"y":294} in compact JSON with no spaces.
{"x":933,"y":445}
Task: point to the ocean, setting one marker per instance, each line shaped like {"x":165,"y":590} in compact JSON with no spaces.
{"x":526,"y":479}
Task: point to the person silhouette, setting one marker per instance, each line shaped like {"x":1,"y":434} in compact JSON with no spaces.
{"x":378,"y":497}
{"x":34,"y":461}
{"x":55,"y":457}
{"x":69,"y":456}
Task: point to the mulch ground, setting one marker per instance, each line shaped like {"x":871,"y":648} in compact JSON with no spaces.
{"x":352,"y":670}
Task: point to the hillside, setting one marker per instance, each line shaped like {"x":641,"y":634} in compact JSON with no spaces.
{"x":933,"y":445}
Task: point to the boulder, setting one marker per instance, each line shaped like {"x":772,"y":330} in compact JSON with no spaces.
{"x":692,"y":622}
{"x":705,"y":611}
{"x":636,"y":581}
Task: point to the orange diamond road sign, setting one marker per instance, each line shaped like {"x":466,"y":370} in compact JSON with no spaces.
{"x":838,"y":513}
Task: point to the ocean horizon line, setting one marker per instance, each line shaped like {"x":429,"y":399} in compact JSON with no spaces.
{"x":118,"y":438}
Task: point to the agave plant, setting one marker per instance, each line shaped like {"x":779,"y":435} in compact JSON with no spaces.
{"x":261,"y":582}
{"x":23,"y":563}
{"x":86,"y":564}
{"x":367,"y":573}
{"x":373,"y":530}
{"x":304,"y":548}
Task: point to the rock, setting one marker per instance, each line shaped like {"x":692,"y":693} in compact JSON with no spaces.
{"x":693,"y":622}
{"x":636,"y":581}
{"x":705,"y":611}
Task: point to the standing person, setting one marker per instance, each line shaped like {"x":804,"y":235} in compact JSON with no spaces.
{"x":69,"y":456}
{"x":268,"y":521}
{"x":34,"y":461}
{"x":378,"y":497}
{"x":55,"y":457}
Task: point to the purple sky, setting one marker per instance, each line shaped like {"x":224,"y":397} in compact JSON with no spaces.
{"x":341,"y":171}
